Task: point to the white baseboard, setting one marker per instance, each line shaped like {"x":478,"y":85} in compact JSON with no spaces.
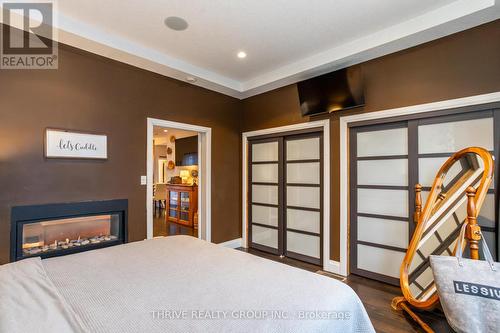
{"x":232,"y":244}
{"x":333,"y":266}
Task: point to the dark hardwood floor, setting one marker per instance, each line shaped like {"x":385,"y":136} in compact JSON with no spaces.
{"x":161,"y":227}
{"x":376,"y":297}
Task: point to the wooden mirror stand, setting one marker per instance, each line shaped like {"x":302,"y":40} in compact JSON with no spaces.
{"x":469,"y":187}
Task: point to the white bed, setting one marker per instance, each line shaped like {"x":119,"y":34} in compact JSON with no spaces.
{"x":172,"y":284}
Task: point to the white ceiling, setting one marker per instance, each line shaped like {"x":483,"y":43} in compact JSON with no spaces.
{"x":286,"y":40}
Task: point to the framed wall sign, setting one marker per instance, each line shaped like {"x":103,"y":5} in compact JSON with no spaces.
{"x":61,"y":143}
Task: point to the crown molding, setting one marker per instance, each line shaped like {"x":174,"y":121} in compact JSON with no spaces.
{"x":457,"y":16}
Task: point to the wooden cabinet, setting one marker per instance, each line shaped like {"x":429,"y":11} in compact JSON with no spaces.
{"x":182,"y":204}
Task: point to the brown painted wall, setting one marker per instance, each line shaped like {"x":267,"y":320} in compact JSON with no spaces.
{"x":463,"y":64}
{"x":92,"y":93}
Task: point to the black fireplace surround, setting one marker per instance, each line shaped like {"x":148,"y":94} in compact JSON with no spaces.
{"x":59,"y":229}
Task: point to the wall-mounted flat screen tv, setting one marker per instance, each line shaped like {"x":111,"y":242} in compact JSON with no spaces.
{"x":330,"y":92}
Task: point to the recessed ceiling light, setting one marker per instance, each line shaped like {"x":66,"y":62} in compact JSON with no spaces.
{"x":191,"y":79}
{"x":176,"y":23}
{"x":165,"y":131}
{"x":242,"y":55}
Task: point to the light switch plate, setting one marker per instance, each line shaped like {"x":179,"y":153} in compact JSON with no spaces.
{"x":144,"y":180}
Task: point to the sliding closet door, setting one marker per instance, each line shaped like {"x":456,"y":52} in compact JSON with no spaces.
{"x":265,"y":195}
{"x":386,"y":161}
{"x":303,"y":197}
{"x":286,"y":195}
{"x":438,"y":139}
{"x":379,"y":200}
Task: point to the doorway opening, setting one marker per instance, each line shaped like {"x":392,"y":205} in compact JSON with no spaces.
{"x":178,"y":179}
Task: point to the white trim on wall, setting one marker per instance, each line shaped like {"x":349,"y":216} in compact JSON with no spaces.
{"x":344,"y":151}
{"x":205,"y":175}
{"x":328,"y":265}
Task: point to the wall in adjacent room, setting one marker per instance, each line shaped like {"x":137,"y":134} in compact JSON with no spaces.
{"x":460,"y":65}
{"x":92,"y":93}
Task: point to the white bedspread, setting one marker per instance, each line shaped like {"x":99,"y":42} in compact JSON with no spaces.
{"x":29,"y":302}
{"x":182,"y":284}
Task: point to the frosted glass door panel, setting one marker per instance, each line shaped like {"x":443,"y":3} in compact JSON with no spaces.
{"x":303,"y":173}
{"x":383,"y":202}
{"x":382,"y":178}
{"x":303,"y":149}
{"x":303,"y":220}
{"x":383,"y":172}
{"x":303,"y":177}
{"x":428,"y":168}
{"x":265,"y":152}
{"x":487,"y":212}
{"x":489,"y":237}
{"x":266,"y":194}
{"x":265,"y":236}
{"x":303,"y":244}
{"x":453,"y":136}
{"x":265,"y":215}
{"x":378,"y":260}
{"x":382,"y":231}
{"x":383,"y":143}
{"x":285,"y":205}
{"x":265,"y":173}
{"x":308,"y":197}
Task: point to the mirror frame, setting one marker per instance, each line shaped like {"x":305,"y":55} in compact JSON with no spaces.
{"x":429,"y":208}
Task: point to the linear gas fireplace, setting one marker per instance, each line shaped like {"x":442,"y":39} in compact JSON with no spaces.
{"x":59,"y":229}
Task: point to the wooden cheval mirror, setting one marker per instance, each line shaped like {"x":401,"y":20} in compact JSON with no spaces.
{"x":456,"y":197}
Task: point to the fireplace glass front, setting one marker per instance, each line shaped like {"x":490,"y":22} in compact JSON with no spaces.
{"x":59,"y":229}
{"x":62,"y":234}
